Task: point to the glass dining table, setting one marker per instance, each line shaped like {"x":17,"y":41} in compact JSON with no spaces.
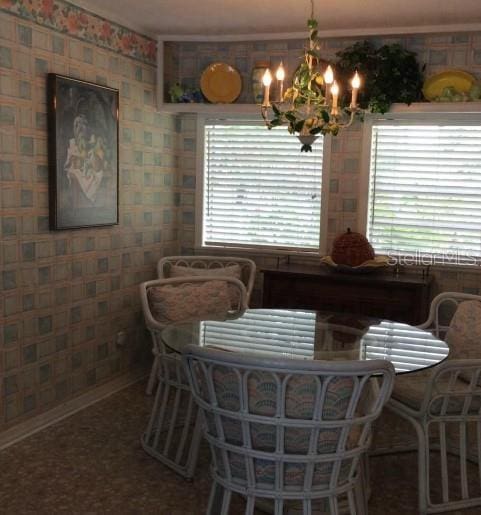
{"x":302,"y":334}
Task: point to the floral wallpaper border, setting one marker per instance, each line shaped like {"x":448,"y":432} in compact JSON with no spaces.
{"x":77,"y":22}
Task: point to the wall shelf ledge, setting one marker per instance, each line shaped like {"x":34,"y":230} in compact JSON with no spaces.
{"x":254,"y":109}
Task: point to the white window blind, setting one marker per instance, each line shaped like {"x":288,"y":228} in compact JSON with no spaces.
{"x":258,"y":187}
{"x":425,"y":189}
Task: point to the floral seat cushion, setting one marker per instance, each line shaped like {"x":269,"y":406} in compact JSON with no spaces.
{"x":228,"y":271}
{"x":173,"y":303}
{"x":410,"y":389}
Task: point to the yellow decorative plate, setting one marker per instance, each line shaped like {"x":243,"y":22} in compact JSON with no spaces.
{"x":220,"y":83}
{"x":458,"y":79}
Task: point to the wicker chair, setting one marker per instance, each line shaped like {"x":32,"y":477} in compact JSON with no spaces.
{"x":290,"y":433}
{"x":415,"y":395}
{"x":172,"y":435}
{"x":193,"y":266}
{"x":446,"y":414}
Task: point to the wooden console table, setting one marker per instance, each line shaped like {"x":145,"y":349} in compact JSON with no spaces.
{"x":403,"y":297}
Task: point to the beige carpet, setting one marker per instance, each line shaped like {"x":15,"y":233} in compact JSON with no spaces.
{"x":93,"y":463}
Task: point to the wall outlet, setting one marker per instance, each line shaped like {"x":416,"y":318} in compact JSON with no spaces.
{"x":121,"y":339}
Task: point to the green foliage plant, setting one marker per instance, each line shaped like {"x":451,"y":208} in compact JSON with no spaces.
{"x":390,"y":74}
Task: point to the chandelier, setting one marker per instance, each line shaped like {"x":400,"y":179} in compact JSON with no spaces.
{"x":310,"y":106}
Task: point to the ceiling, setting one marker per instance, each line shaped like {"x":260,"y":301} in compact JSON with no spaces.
{"x":219,"y":17}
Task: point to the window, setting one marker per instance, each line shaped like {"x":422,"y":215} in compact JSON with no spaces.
{"x":259,"y":190}
{"x":425,"y":188}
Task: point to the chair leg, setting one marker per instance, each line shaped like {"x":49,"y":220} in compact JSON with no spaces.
{"x":153,"y":377}
{"x":194,"y":447}
{"x":423,"y":473}
{"x":153,"y":418}
{"x":226,"y":502}
{"x":278,"y":506}
{"x":358,"y":499}
{"x":250,"y":506}
{"x":423,"y":460}
{"x":219,"y":500}
{"x":166,"y":422}
{"x":307,"y":507}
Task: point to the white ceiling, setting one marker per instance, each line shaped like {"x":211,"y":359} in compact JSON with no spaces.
{"x":215,"y":17}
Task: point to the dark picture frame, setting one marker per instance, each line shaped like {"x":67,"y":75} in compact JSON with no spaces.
{"x":83,"y":149}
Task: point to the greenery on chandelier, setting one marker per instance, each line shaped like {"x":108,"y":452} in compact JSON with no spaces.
{"x":391,"y":74}
{"x":308,"y":113}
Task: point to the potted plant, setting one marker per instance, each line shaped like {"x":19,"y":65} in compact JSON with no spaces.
{"x":391,"y":74}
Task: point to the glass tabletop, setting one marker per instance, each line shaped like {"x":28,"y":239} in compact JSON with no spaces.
{"x":313,"y":335}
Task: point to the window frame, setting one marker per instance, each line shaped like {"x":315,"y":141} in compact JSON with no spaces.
{"x":260,"y":249}
{"x":416,"y":115}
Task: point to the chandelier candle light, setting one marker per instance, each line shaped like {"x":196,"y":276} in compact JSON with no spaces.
{"x":266,"y":80}
{"x":310,"y":106}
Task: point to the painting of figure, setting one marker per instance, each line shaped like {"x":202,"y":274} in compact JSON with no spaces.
{"x":83,"y":153}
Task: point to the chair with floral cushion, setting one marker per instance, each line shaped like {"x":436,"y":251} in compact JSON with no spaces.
{"x":445,"y":411}
{"x":172,"y":435}
{"x":200,"y":266}
{"x":290,"y":434}
{"x":416,"y":395}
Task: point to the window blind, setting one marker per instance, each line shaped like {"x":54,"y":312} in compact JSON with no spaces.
{"x":258,"y":187}
{"x":425,"y":189}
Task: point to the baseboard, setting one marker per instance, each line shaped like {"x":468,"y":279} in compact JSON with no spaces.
{"x":29,"y":427}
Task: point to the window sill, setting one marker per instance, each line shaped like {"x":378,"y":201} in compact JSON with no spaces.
{"x":260,"y":251}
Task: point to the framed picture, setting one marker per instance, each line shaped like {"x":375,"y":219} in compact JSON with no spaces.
{"x":83,"y":133}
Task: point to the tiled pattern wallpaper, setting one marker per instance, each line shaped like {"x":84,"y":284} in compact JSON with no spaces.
{"x":187,"y":60}
{"x":65,"y":295}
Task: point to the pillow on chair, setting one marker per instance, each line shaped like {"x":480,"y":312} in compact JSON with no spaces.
{"x":228,"y":271}
{"x":173,"y":303}
{"x":464,"y":334}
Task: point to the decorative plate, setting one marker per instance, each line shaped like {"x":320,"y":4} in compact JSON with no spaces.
{"x":368,"y":266}
{"x":220,"y":83}
{"x":460,"y":80}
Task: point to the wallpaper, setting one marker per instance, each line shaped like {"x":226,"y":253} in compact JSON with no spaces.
{"x":65,"y":295}
{"x":77,"y":22}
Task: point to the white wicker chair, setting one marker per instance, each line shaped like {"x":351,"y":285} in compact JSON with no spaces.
{"x":446,"y":414}
{"x":292,"y":433}
{"x":197,"y":265}
{"x":411,"y":400}
{"x":172,"y":435}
